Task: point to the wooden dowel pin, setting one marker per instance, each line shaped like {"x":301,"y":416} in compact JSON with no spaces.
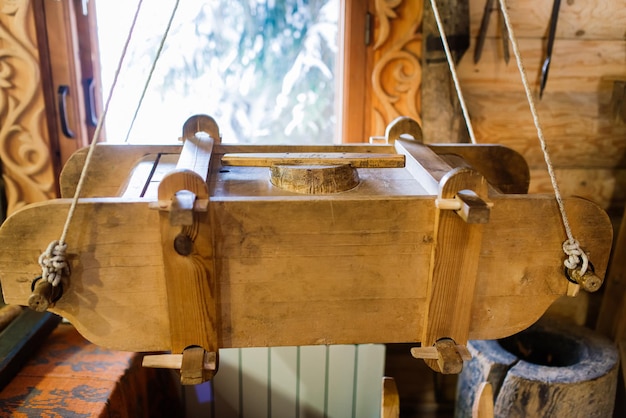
{"x":44,"y":295}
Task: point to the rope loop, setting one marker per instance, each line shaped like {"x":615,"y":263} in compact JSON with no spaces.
{"x":53,"y":263}
{"x":575,"y":256}
{"x":571,"y":248}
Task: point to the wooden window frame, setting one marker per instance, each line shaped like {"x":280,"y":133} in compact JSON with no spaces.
{"x":355,"y":67}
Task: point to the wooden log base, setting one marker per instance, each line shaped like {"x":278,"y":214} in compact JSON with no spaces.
{"x":314,"y":179}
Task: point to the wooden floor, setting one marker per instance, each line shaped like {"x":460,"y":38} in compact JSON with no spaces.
{"x":423,"y":393}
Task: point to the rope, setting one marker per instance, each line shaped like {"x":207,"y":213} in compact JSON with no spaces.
{"x":52,"y":261}
{"x":571,"y":247}
{"x":53,"y":264}
{"x":151,"y":73}
{"x":455,"y":78}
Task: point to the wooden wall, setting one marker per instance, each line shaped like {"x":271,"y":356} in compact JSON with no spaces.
{"x":587,"y":144}
{"x":579,"y":111}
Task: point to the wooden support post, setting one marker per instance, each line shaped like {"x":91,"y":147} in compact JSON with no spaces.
{"x":483,"y":405}
{"x":187,"y":245}
{"x":452,"y":276}
{"x":390,"y":406}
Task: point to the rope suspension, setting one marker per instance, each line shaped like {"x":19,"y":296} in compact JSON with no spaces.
{"x":151,"y":72}
{"x":571,"y":247}
{"x":575,"y":255}
{"x":52,"y":261}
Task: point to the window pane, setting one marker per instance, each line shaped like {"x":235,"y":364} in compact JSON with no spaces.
{"x":265,"y":69}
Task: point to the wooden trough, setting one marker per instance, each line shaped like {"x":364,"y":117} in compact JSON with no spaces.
{"x":206,"y":246}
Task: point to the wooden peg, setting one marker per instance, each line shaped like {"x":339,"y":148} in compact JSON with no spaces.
{"x":195,"y":364}
{"x":192,"y":368}
{"x":572,"y":289}
{"x":474,"y":210}
{"x":44,"y":295}
{"x":589,"y":281}
{"x":181,"y":208}
{"x":468,"y":205}
{"x":448,"y":357}
{"x":432,"y":354}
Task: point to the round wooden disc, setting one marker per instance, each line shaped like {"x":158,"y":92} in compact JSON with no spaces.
{"x":314,"y":179}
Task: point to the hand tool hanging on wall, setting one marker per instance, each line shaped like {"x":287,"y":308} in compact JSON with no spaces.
{"x":554,"y":17}
{"x":482,"y":34}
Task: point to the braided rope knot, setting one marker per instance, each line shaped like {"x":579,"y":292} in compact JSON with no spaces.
{"x":575,"y":256}
{"x":53,"y":264}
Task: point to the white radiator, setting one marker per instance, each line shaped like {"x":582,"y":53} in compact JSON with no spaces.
{"x":339,"y":381}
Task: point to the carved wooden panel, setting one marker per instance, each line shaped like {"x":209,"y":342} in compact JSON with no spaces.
{"x":397,"y":73}
{"x":26,"y":165}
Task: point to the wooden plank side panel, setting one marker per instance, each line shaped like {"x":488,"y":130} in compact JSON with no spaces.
{"x":117,"y":288}
{"x":297,"y":272}
{"x":512,"y":281}
{"x":345,"y":256}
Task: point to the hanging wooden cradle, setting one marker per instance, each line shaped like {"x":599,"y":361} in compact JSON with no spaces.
{"x":206,"y":246}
